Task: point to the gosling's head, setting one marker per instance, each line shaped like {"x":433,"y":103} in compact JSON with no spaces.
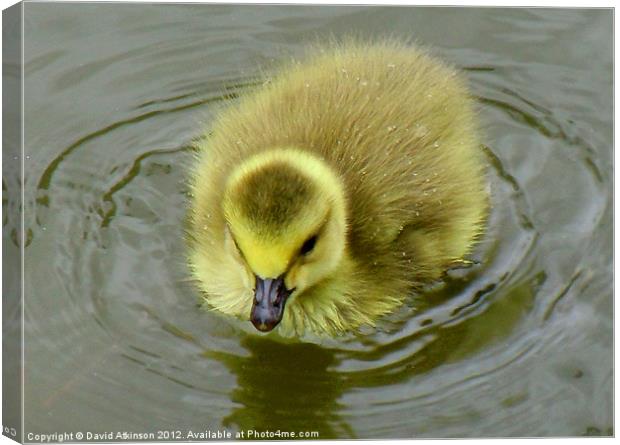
{"x":286,"y":225}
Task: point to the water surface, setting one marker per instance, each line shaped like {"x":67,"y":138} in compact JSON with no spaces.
{"x":519,"y":344}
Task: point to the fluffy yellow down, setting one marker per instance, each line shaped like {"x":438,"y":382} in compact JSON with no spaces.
{"x":372,"y":147}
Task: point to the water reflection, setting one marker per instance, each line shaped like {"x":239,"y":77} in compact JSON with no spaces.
{"x":298,"y":387}
{"x":481,"y":322}
{"x":287,"y":387}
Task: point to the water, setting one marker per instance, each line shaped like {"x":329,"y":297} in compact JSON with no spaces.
{"x":520,"y":344}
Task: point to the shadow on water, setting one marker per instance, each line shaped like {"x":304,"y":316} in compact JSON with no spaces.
{"x":296,"y":387}
{"x":287,"y":387}
{"x":486,"y":320}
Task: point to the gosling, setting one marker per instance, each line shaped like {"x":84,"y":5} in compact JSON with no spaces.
{"x":350,"y":180}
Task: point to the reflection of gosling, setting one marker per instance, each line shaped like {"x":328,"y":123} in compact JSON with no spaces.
{"x":344,"y":183}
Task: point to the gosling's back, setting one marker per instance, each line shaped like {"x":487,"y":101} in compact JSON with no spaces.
{"x":399,"y":129}
{"x":396,"y":124}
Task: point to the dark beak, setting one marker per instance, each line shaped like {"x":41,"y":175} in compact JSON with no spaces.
{"x":269,"y":299}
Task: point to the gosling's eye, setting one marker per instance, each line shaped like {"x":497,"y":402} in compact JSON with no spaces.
{"x":308,"y":245}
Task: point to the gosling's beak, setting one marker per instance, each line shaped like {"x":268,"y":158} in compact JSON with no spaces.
{"x":269,"y":299}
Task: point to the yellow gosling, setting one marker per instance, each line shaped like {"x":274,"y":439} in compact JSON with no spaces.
{"x":321,"y":201}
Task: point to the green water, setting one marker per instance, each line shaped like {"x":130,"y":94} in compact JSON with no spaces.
{"x":520,"y":344}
